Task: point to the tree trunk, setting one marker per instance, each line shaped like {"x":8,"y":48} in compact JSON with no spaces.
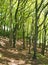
{"x":36,"y":33}
{"x":14,"y":39}
{"x":23,"y":37}
{"x":10,"y":41}
{"x":44,"y":44}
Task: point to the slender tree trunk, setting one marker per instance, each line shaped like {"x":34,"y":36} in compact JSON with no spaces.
{"x":7,"y":28}
{"x":16,"y":26}
{"x":29,"y":45}
{"x":14,"y":39}
{"x":4,"y":27}
{"x":10,"y":23}
{"x":14,"y":36}
{"x":1,"y":22}
{"x":36,"y":33}
{"x":23,"y":37}
{"x":40,"y":40}
{"x":44,"y":43}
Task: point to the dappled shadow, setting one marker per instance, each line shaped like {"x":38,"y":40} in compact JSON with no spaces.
{"x":9,"y":54}
{"x":42,"y":59}
{"x":3,"y":61}
{"x":20,"y":56}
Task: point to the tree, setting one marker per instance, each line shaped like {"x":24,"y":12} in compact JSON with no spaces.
{"x":16,"y":25}
{"x":10,"y":23}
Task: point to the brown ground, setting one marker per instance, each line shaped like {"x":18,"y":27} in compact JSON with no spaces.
{"x":17,"y":56}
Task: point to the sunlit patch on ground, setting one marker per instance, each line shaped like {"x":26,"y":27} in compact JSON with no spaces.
{"x":16,"y":62}
{"x":13,"y":50}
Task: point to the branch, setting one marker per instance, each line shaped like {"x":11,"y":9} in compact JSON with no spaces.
{"x":17,"y":10}
{"x":43,"y":29}
{"x":42,"y":10}
{"x":40,"y":5}
{"x":44,"y":19}
{"x":23,"y":9}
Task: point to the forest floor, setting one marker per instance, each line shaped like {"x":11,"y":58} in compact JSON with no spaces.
{"x":18,"y":56}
